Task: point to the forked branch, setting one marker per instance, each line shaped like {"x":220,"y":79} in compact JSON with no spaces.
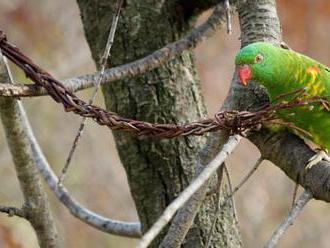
{"x":104,"y":62}
{"x":198,"y":182}
{"x":121,"y":228}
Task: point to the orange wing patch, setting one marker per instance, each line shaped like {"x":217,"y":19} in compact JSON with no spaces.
{"x":313,"y":69}
{"x":313,"y":82}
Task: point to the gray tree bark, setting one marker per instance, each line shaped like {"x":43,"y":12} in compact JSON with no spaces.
{"x":258,"y":21}
{"x":35,"y":208}
{"x":157,"y":170}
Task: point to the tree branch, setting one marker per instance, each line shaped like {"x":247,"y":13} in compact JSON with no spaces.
{"x":35,"y":208}
{"x":247,"y":176}
{"x":104,"y":63}
{"x":13,"y":211}
{"x":16,"y":122}
{"x":127,"y":229}
{"x":131,"y":69}
{"x":277,"y":147}
{"x":305,"y":197}
{"x":258,"y":21}
{"x":195,"y":185}
{"x":186,"y":215}
{"x":231,"y":193}
{"x":290,"y":154}
{"x":217,"y":205}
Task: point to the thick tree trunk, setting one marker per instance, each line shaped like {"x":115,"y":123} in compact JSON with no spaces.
{"x":157,"y":170}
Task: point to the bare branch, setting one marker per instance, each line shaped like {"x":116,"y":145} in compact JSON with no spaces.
{"x":232,"y":191}
{"x":35,"y":208}
{"x":294,"y":195}
{"x":13,"y":211}
{"x":247,"y":176}
{"x":290,"y":154}
{"x":231,"y":194}
{"x":104,"y":61}
{"x":199,"y":181}
{"x":228,"y":17}
{"x":217,"y":207}
{"x":127,"y":229}
{"x":305,"y":197}
{"x":238,"y":98}
{"x":18,"y":130}
{"x":185,"y":216}
{"x":137,"y":67}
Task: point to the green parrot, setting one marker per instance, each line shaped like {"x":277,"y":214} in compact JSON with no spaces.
{"x":282,"y":71}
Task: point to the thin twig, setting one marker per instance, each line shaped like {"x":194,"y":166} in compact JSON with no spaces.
{"x":247,"y":176}
{"x":12,"y":211}
{"x":217,"y":206}
{"x":231,"y":194}
{"x":305,"y":197}
{"x":228,"y":17}
{"x":104,"y":61}
{"x":121,"y":228}
{"x":185,"y":216}
{"x":295,"y":191}
{"x":140,"y":66}
{"x":36,"y":207}
{"x":169,"y":212}
{"x":10,"y":74}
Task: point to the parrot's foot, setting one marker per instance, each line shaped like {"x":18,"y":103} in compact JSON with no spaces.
{"x":318,"y":157}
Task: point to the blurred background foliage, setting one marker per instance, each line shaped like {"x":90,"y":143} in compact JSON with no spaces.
{"x":50,"y":32}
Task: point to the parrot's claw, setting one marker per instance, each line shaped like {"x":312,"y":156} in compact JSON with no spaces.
{"x":318,"y":157}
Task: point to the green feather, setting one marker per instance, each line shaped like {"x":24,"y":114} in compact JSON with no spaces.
{"x":283,"y":71}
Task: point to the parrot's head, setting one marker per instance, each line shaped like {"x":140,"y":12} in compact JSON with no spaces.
{"x":257,"y":61}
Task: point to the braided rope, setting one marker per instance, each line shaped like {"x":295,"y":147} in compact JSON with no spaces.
{"x":230,"y":120}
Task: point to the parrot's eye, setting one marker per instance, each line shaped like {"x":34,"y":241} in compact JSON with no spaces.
{"x":258,"y":58}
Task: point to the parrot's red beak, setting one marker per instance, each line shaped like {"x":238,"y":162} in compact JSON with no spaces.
{"x":245,"y":74}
